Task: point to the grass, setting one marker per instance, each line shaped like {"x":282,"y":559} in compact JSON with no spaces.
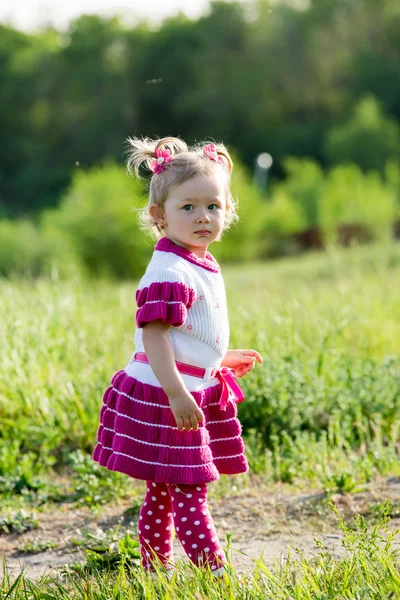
{"x":325,"y":400}
{"x":367,"y":568}
{"x":322,"y":411}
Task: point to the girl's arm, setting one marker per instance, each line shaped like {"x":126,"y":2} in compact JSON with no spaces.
{"x":162,"y":361}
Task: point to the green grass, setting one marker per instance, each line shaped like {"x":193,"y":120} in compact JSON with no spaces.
{"x":323,"y":408}
{"x":322,"y":411}
{"x":367,"y":569}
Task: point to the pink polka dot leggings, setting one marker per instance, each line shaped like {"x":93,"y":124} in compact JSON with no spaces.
{"x":184,"y":507}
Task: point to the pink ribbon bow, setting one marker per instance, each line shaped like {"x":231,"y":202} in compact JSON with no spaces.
{"x":162,"y":158}
{"x":211,"y":152}
{"x":230,"y":388}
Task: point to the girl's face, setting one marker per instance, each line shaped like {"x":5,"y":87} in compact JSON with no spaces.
{"x":194,"y":212}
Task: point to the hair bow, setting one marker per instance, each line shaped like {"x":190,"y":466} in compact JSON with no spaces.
{"x":210,"y":151}
{"x":163,"y":157}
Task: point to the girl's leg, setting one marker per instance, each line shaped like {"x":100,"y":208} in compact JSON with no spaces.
{"x":155,"y":526}
{"x":194,"y":526}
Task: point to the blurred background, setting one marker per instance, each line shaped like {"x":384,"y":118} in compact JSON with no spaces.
{"x":305,"y":93}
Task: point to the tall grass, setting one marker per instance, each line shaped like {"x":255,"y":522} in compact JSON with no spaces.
{"x":367,"y":568}
{"x":328,"y":327}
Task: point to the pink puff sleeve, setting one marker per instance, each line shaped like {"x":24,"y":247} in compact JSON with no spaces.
{"x":167,"y":300}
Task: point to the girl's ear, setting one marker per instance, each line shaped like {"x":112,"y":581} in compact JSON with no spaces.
{"x":157,"y":214}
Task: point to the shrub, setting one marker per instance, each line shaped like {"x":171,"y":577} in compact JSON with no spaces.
{"x":282,"y":219}
{"x":21,"y":248}
{"x":351,"y":197}
{"x":369,"y":138}
{"x":97,"y":216}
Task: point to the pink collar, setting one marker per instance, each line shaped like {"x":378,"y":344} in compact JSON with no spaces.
{"x":166,"y":245}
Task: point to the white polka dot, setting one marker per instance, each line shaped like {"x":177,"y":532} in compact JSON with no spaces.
{"x":166,"y":554}
{"x":147,"y":526}
{"x":166,"y":542}
{"x":206,"y":549}
{"x":213,"y":567}
{"x":169,"y":515}
{"x":189,"y":532}
{"x":147,"y":553}
{"x":153,"y":484}
{"x":158,"y":520}
{"x":188,"y":495}
{"x":161,"y":506}
{"x":153,"y":498}
{"x":174,"y":514}
{"x":183,"y":542}
{"x":214,"y":539}
{"x":198,"y":489}
{"x":194,"y":545}
{"x":177,"y":490}
{"x":197,"y":522}
{"x":192,"y":509}
{"x":148,"y":489}
{"x":156,"y":535}
{"x":139,"y":532}
{"x":201,"y":536}
{"x":172,"y":498}
{"x":189,"y":555}
{"x":204,"y":512}
{"x":156,"y":548}
{"x":183,"y":518}
{"x":201,"y":500}
{"x":167,"y":528}
{"x":147,"y":541}
{"x":145,"y":504}
{"x":140,"y":517}
{"x":208,"y":526}
{"x":150,"y":512}
{"x":180,"y":504}
{"x":177,"y":528}
{"x":163,"y":493}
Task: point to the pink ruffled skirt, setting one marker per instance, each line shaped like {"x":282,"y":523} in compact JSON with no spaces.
{"x":138,"y":435}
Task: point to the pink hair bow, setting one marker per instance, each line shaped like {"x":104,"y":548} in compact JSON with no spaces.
{"x":211,"y":152}
{"x":163,"y":157}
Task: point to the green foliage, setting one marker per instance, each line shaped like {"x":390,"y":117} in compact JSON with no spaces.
{"x":21,"y":248}
{"x":97,"y":215}
{"x":87,"y":88}
{"x":369,"y":138}
{"x":304,"y":184}
{"x":93,"y":484}
{"x":353,"y":198}
{"x":18,"y":522}
{"x":281,"y":219}
{"x":367,"y":568}
{"x":323,"y":407}
{"x":122,"y":552}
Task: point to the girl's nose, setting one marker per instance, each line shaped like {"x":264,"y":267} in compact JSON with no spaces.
{"x":204,"y":218}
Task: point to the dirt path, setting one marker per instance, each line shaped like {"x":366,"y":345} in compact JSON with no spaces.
{"x":263,"y":521}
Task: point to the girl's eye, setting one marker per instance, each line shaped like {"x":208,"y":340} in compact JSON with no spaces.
{"x":188,"y":207}
{"x":213,"y":205}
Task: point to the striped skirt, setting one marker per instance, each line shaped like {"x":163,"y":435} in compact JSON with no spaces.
{"x":138,"y":435}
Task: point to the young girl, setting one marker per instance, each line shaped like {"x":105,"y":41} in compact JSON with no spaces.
{"x":169,"y":417}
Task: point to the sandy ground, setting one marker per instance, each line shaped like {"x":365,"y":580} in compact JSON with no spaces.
{"x":264,"y":522}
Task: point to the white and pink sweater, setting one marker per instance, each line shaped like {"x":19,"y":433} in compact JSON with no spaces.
{"x":188,"y":293}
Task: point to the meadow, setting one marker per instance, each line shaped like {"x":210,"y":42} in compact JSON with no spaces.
{"x":320,"y":413}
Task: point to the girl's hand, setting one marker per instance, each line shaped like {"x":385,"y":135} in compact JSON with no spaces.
{"x":242,"y":361}
{"x":186,"y":412}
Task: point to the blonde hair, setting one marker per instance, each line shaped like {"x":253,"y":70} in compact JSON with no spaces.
{"x":187,"y":162}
